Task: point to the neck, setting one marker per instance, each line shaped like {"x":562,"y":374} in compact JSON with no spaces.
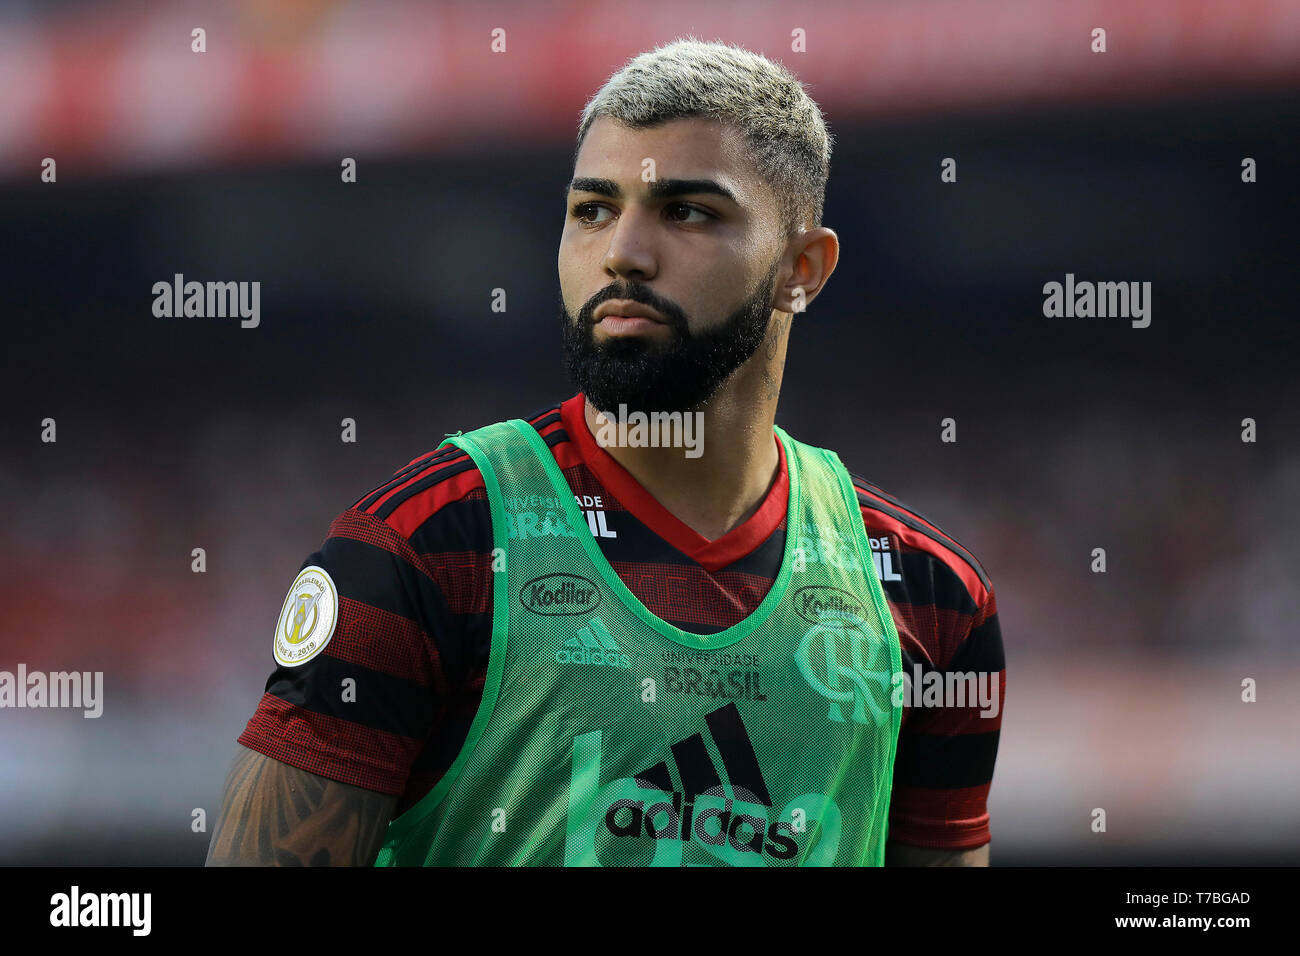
{"x":736,"y":457}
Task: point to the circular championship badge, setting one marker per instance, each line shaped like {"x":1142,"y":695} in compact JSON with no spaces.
{"x":307,"y":619}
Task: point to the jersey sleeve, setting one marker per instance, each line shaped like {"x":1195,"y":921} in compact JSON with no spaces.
{"x":944,"y":766}
{"x":359,"y":709}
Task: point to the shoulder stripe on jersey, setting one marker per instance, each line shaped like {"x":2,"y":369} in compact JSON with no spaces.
{"x":451,"y":462}
{"x":881,"y":493}
{"x":449,"y":470}
{"x":536,"y":416}
{"x":548,"y":419}
{"x":419,"y":464}
{"x":916,"y":523}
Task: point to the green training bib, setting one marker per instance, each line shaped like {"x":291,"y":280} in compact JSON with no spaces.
{"x":607,"y":736}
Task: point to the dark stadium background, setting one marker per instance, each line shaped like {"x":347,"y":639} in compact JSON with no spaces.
{"x":1123,"y":688}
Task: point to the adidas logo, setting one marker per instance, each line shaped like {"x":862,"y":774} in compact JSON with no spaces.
{"x":743,"y":832}
{"x":593,"y":645}
{"x":700,"y":811}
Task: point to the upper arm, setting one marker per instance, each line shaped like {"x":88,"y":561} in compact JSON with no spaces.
{"x":273,"y":814}
{"x":331,"y":751}
{"x":900,"y":854}
{"x":943,"y":604}
{"x":363,"y":705}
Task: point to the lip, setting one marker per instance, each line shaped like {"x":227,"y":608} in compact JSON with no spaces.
{"x":619,"y":325}
{"x":627,"y":309}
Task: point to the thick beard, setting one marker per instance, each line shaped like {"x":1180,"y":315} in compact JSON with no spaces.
{"x":679,"y":376}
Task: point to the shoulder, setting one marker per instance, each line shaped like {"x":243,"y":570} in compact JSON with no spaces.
{"x":898,"y":528}
{"x":444,"y":482}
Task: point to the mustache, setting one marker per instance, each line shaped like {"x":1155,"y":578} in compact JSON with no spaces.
{"x":672,"y":314}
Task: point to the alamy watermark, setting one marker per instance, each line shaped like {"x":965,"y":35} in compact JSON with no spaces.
{"x":209,"y":300}
{"x":76,"y":909}
{"x":653,"y":430}
{"x":1126,"y":300}
{"x":71,"y":689}
{"x":941,"y":689}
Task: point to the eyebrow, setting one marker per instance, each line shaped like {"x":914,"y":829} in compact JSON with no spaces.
{"x":659,"y":189}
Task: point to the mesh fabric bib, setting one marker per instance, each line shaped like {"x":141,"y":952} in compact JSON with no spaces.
{"x":607,"y":736}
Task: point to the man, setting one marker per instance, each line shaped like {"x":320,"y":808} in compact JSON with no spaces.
{"x":578,"y":639}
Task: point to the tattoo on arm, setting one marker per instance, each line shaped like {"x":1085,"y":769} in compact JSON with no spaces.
{"x":900,"y":854}
{"x":273,"y":814}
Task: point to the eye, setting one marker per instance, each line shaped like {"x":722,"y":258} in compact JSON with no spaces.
{"x":583,"y":210}
{"x":689,"y":208}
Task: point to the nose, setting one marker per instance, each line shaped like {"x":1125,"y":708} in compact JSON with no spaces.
{"x":630,"y":254}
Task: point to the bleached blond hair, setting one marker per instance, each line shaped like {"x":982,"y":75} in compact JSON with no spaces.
{"x":789,"y":143}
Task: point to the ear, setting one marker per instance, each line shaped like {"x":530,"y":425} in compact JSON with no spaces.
{"x":813,"y":255}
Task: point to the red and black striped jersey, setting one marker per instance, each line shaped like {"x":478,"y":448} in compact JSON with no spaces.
{"x":412,"y":562}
